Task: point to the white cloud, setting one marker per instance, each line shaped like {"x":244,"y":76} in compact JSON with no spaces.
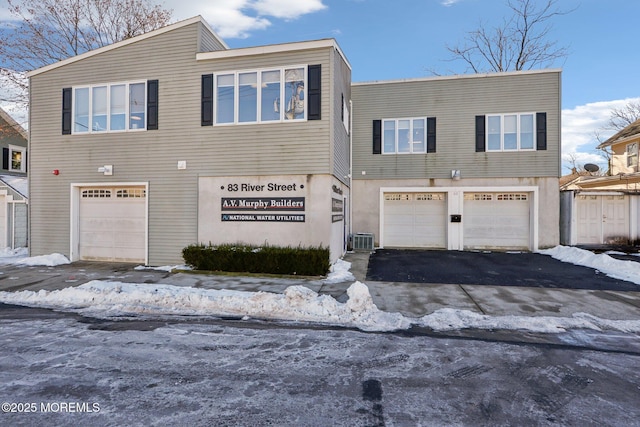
{"x":448,"y":3}
{"x":287,"y":9}
{"x":579,"y":127}
{"x":238,"y":18}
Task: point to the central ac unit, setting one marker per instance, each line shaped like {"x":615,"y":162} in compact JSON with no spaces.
{"x":363,"y":242}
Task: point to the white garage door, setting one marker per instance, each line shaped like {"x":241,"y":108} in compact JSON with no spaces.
{"x":496,"y":220}
{"x":415,"y":220}
{"x":112,"y":224}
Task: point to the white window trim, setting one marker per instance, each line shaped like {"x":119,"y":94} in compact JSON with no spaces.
{"x":23,"y":150}
{"x":411,"y":143}
{"x":127,"y":107}
{"x":236,"y":94}
{"x":502,"y":116}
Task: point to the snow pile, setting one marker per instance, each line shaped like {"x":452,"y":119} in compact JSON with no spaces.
{"x":298,"y":303}
{"x":448,"y":319}
{"x":10,"y":256}
{"x":339,"y":272}
{"x":618,"y":269}
{"x":45,"y":260}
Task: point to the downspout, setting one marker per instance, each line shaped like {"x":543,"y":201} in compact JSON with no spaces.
{"x":351,"y":168}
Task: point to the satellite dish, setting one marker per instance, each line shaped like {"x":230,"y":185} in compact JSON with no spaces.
{"x":590,"y":167}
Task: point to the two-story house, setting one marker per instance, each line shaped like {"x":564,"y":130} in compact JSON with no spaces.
{"x":135,"y":159}
{"x":143,"y":147}
{"x":13,"y":183}
{"x":460,"y":162}
{"x":604,"y":210}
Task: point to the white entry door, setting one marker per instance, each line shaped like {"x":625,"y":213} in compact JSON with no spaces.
{"x":112,"y":224}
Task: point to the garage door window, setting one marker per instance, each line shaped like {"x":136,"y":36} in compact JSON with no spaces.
{"x":397,"y":196}
{"x":512,"y":196}
{"x":129,"y":193}
{"x":429,"y":196}
{"x":95,"y":193}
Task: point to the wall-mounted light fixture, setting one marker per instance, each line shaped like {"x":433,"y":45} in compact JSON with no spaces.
{"x":106,"y":169}
{"x":455,"y":174}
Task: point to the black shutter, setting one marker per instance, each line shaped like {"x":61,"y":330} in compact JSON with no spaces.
{"x":5,"y":158}
{"x":66,"y":111}
{"x":314,"y":75}
{"x":342,"y":109}
{"x":480,"y":134}
{"x":431,"y":134}
{"x":206,"y":115}
{"x":152,"y":105}
{"x":377,"y":137}
{"x":541,"y":131}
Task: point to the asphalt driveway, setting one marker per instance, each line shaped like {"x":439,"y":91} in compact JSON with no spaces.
{"x":487,"y":268}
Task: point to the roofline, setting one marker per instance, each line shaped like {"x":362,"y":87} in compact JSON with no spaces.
{"x":274,"y":48}
{"x":460,"y":76}
{"x":11,"y":121}
{"x":624,"y":140}
{"x":126,"y":42}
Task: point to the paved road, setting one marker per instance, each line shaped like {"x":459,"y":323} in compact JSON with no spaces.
{"x":492,"y":268}
{"x":203,"y":373}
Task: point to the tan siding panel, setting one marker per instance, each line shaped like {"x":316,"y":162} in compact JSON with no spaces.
{"x":152,"y":156}
{"x":455,"y":102}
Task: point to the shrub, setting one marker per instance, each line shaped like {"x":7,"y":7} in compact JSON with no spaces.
{"x":306,"y":261}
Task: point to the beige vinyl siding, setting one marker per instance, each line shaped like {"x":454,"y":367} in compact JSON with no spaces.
{"x":455,"y":102}
{"x":152,"y":156}
{"x":341,"y":86}
{"x":208,"y":42}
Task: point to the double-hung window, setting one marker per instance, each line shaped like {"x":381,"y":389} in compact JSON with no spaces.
{"x":109,"y":107}
{"x":401,"y":136}
{"x":511,"y":132}
{"x":16,"y":159}
{"x":632,"y":154}
{"x":259,"y":96}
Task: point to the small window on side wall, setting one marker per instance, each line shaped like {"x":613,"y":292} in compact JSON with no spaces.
{"x":632,"y":154}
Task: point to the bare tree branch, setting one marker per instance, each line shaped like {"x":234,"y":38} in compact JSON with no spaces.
{"x":48,"y":31}
{"x":521,"y":42}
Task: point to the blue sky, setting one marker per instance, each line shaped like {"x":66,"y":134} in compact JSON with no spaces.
{"x":399,"y":39}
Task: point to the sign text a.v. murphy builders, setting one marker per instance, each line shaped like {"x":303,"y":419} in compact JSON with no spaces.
{"x":268,"y":204}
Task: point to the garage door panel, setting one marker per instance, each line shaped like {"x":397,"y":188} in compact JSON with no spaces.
{"x":112,"y":224}
{"x":415,"y":220}
{"x":496,"y":221}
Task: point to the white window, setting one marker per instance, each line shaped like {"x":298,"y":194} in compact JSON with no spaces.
{"x":400,"y":136}
{"x":260,"y":96}
{"x":17,"y":159}
{"x":511,"y":132}
{"x":632,"y":154}
{"x":110,"y":107}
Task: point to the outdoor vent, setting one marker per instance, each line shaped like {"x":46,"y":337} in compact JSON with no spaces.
{"x":363,"y":242}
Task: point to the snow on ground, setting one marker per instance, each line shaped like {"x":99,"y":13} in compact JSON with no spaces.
{"x":107,"y":299}
{"x":298,"y":303}
{"x":20,"y":256}
{"x":618,"y":269}
{"x":339,"y":272}
{"x":167,"y":268}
